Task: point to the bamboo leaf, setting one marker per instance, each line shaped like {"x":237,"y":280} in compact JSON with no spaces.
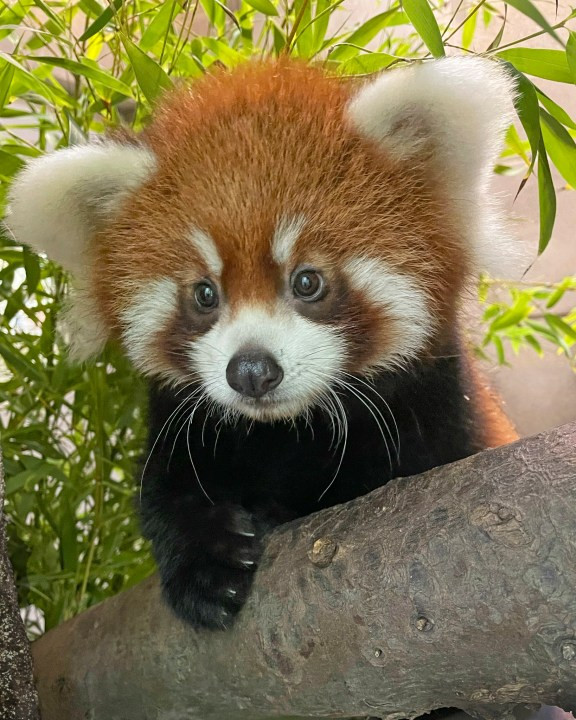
{"x":547,"y":64}
{"x":6,"y":77}
{"x":556,"y":296}
{"x":20,"y":364}
{"x":223,"y":52}
{"x":263,"y":6}
{"x":498,"y":39}
{"x":555,"y":110}
{"x":499,"y":350}
{"x":150,"y":77}
{"x":229,"y":13}
{"x":509,"y":318}
{"x":531,"y":340}
{"x":368,"y":63}
{"x":215,"y":15}
{"x":468,"y":31}
{"x":9,"y":163}
{"x":561,"y":147}
{"x":421,"y":16}
{"x":363,"y":35}
{"x":102,"y":20}
{"x":50,"y":13}
{"x":159,"y":25}
{"x":315,"y":29}
{"x":546,"y":198}
{"x":29,"y":475}
{"x":571,"y":54}
{"x":87,"y":71}
{"x":556,"y":323}
{"x":31,"y":81}
{"x":526,"y":103}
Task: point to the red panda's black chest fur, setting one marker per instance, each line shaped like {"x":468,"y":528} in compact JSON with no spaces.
{"x":409,"y":422}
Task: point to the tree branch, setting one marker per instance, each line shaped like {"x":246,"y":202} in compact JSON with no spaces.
{"x":18,"y":699}
{"x":453,"y":588}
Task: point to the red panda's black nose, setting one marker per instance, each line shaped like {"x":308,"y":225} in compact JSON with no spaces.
{"x":253,"y":373}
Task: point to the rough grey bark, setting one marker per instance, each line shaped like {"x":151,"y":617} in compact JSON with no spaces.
{"x":453,"y":588}
{"x":18,"y":699}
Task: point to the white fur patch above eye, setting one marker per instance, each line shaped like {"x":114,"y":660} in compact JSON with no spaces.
{"x":404,"y":302}
{"x":311,"y":356}
{"x":285,"y":236}
{"x":60,"y":199}
{"x":149,"y":312}
{"x":206,"y":248}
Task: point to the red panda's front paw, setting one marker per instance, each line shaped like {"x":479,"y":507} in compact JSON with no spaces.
{"x":208,"y":584}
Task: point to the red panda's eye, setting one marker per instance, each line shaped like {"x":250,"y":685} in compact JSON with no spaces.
{"x":308,"y":285}
{"x":206,"y":296}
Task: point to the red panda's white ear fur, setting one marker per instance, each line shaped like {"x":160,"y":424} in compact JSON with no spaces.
{"x":458,"y":108}
{"x":59,"y":201}
{"x":454,"y":112}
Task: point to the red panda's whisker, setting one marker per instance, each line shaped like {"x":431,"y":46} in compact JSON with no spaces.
{"x":168,"y":422}
{"x":189,"y":397}
{"x":344,"y":443}
{"x":218,"y":431}
{"x":186,"y":417}
{"x":213,"y":347}
{"x":190,"y":453}
{"x":334,"y":413}
{"x":364,"y":400}
{"x":373,"y":389}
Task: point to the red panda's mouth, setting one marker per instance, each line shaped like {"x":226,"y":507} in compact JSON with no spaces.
{"x":268,"y":405}
{"x":268,"y":408}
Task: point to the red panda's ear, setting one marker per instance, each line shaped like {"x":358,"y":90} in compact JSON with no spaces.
{"x":59,"y":200}
{"x":450,"y":115}
{"x":453,"y":111}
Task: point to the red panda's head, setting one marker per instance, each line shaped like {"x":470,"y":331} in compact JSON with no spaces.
{"x":274,"y":228}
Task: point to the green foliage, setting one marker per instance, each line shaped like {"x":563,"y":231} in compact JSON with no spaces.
{"x":526,"y":314}
{"x":70,"y":435}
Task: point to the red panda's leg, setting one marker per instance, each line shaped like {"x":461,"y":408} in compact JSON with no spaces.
{"x":206,"y":557}
{"x":495,"y":428}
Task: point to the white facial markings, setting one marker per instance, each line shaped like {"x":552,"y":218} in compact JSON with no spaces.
{"x":206,"y":248}
{"x":310,"y":354}
{"x":84,"y":330}
{"x":285,"y":236}
{"x":149,"y":312}
{"x":403,"y":301}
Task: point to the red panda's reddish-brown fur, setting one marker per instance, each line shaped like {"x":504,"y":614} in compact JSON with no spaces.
{"x":237,"y":150}
{"x":497,"y":428}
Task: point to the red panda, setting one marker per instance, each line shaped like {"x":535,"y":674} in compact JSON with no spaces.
{"x":282,"y":254}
